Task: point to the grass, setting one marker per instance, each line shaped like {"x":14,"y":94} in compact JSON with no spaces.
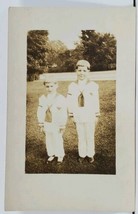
{"x":36,"y":155}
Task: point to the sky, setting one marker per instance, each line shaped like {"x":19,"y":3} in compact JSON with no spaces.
{"x":69,"y":34}
{"x":68,"y":38}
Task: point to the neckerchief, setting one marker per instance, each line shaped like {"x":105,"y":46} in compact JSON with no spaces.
{"x":81,"y":96}
{"x":48,"y":113}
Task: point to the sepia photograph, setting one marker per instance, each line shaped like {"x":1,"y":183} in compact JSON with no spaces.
{"x":71,"y":109}
{"x":71,"y":102}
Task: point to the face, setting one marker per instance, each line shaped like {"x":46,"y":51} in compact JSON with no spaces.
{"x":82,"y":72}
{"x":51,"y":87}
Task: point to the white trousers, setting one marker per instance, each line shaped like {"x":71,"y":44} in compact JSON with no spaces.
{"x":86,"y":145}
{"x":54,"y":143}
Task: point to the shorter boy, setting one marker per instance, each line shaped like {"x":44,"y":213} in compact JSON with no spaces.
{"x":83,"y":107}
{"x":52,"y":117}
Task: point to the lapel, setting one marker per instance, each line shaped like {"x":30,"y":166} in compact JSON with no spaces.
{"x":85,"y":86}
{"x":50,"y":103}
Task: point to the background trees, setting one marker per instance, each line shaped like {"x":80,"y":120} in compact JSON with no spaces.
{"x":99,"y":50}
{"x":55,"y":48}
{"x":44,"y":55}
{"x":37,"y":50}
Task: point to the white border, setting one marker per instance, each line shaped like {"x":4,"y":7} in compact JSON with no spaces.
{"x":3,"y":79}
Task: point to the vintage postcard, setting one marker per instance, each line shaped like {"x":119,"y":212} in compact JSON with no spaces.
{"x":71,"y":109}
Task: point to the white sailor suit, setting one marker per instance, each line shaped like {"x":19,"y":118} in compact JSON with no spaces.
{"x":84,"y":114}
{"x":56,"y":104}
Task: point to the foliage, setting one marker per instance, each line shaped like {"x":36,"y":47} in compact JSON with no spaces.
{"x":41,"y":53}
{"x":44,"y":55}
{"x":99,"y":49}
{"x":36,"y":52}
{"x":55,"y":48}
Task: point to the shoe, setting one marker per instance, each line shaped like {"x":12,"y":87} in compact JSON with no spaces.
{"x":90,"y":160}
{"x":60,"y":159}
{"x":81,"y":159}
{"x":50,"y":159}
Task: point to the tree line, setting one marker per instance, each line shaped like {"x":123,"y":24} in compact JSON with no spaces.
{"x":46,"y":56}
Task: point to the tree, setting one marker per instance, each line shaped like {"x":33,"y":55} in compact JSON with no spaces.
{"x":99,"y":49}
{"x":37,"y":50}
{"x":42,"y":53}
{"x":69,"y":58}
{"x":55,"y":49}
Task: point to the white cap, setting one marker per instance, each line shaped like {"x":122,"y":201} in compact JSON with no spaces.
{"x":83,"y":63}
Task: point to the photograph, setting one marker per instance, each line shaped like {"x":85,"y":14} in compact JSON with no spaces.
{"x":71,"y":109}
{"x":71,"y":102}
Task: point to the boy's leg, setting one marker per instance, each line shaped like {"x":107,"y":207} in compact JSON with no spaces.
{"x":90,"y":129}
{"x":58,"y":143}
{"x":50,"y":144}
{"x":82,"y":139}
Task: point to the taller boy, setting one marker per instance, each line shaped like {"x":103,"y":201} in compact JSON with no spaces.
{"x":83,"y":106}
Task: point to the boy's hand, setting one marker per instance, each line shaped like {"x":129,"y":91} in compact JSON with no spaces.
{"x":72,"y":118}
{"x":41,"y":125}
{"x":42,"y":129}
{"x":62,"y":129}
{"x":70,"y":114}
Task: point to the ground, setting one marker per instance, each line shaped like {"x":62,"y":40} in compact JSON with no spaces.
{"x":36,"y":156}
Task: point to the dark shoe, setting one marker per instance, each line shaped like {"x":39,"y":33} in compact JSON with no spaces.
{"x":81,"y":160}
{"x":90,"y":160}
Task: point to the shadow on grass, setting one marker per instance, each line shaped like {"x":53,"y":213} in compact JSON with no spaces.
{"x":70,"y":165}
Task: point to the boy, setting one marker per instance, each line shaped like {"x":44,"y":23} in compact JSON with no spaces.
{"x":83,"y":107}
{"x":52,"y":117}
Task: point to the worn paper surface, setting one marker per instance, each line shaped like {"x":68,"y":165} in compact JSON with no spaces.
{"x":71,"y":192}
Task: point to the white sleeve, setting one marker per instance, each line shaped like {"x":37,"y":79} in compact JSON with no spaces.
{"x":70,"y":99}
{"x":63,"y":112}
{"x":97,"y":105}
{"x":40,"y":111}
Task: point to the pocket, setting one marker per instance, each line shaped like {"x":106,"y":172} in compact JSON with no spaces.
{"x":91,"y":93}
{"x":58,"y":108}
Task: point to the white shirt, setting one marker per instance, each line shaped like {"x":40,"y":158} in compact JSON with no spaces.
{"x":91,"y":100}
{"x":58,"y":108}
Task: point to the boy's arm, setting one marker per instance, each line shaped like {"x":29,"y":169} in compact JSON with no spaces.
{"x":63,"y":115}
{"x":97,"y":110}
{"x":97,"y":102}
{"x":70,"y":101}
{"x":40,"y":113}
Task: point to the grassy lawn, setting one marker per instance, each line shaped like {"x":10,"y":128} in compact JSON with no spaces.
{"x":36,"y":155}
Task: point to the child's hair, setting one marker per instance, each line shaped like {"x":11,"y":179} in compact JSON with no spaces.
{"x":50,"y":80}
{"x":83,"y":63}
